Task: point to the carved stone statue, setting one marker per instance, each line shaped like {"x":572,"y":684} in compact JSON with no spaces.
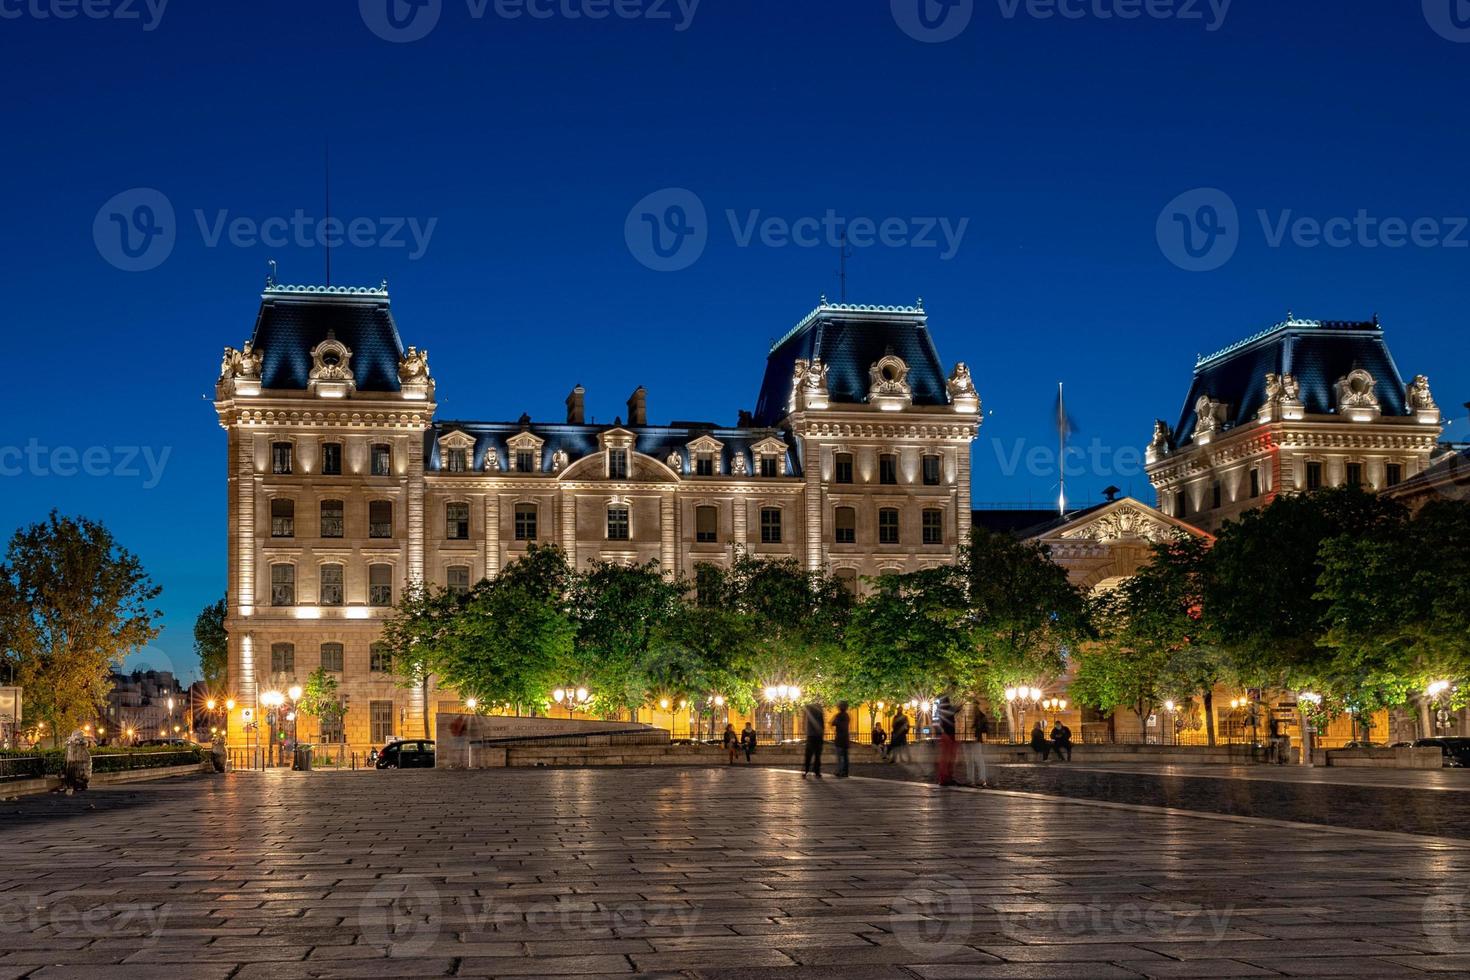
{"x":809,"y":384}
{"x":492,"y":460}
{"x":330,"y":360}
{"x":960,"y":383}
{"x":414,"y":368}
{"x":888,"y":384}
{"x":1160,"y":444}
{"x":241,"y":363}
{"x":1283,"y":388}
{"x":559,"y":460}
{"x":739,"y":466}
{"x":676,"y":462}
{"x":1418,"y":396}
{"x":1209,"y":415}
{"x":1356,"y":392}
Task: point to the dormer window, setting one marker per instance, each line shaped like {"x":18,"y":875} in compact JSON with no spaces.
{"x":617,"y":464}
{"x":770,"y":467}
{"x":458,"y":461}
{"x":704,"y":464}
{"x":525,"y":461}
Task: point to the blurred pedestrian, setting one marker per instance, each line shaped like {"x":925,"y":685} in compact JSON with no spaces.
{"x":898,"y":742}
{"x":816,"y":730}
{"x":880,"y":740}
{"x":1039,"y":744}
{"x":732,"y":742}
{"x":982,"y":725}
{"x":842,"y":738}
{"x":948,"y":745}
{"x":1061,"y":740}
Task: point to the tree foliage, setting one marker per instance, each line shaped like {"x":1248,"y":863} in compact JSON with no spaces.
{"x":212,"y":643}
{"x":73,"y":604}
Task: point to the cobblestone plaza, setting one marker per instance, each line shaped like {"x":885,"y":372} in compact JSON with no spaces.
{"x":699,"y":873}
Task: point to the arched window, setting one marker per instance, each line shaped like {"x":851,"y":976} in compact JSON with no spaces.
{"x":283,"y":517}
{"x":844,"y":525}
{"x":283,"y":585}
{"x":332,"y":657}
{"x":380,"y":585}
{"x":380,"y":519}
{"x":283,"y":658}
{"x":333,"y":518}
{"x":332,"y":590}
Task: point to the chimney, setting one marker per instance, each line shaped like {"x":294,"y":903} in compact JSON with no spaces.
{"x":638,"y":407}
{"x":575,"y":405}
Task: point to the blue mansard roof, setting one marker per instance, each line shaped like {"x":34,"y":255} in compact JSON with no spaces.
{"x":850,"y":340}
{"x":581,"y":441}
{"x":295,"y":319}
{"x":1317,"y":352}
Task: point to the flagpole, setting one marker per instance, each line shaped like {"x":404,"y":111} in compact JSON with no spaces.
{"x":1062,"y":451}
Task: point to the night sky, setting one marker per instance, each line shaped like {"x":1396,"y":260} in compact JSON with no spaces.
{"x":1021,"y":174}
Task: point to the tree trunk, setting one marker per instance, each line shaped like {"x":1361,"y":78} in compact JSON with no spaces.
{"x":1210,"y":716}
{"x":425,"y":682}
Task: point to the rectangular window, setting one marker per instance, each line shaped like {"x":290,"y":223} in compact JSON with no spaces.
{"x":283,"y":658}
{"x":332,"y":657}
{"x":283,"y":518}
{"x":331,"y":459}
{"x":1355,"y":474}
{"x":707,"y":584}
{"x":1394,"y":474}
{"x":617,"y":464}
{"x":769,"y":468}
{"x":457,"y":521}
{"x":333,"y":518}
{"x":932,"y":470}
{"x":842,"y":468}
{"x":844,"y":526}
{"x":281,"y":458}
{"x":380,"y":659}
{"x":1215,"y":495}
{"x":770,"y":525}
{"x":283,"y":585}
{"x":706,"y":525}
{"x":1181,"y":503}
{"x":525,"y":461}
{"x":704,"y":465}
{"x":525,"y":521}
{"x":332,"y":591}
{"x":934,"y":526}
{"x":888,"y":526}
{"x":459,"y":579}
{"x":1314,"y":477}
{"x":380,"y":717}
{"x":380,"y":519}
{"x":380,"y":585}
{"x":457,"y":461}
{"x":617,"y":523}
{"x":331,"y":729}
{"x":1255,"y":483}
{"x":888,"y":469}
{"x":848,"y":578}
{"x":382,"y":460}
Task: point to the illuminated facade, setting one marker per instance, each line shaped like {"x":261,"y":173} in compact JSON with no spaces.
{"x":344,"y":488}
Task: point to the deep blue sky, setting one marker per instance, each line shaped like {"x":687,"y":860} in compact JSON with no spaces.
{"x":530,"y":140}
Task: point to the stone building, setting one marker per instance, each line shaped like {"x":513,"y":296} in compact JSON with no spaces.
{"x":1304,"y":405}
{"x":345,"y":489}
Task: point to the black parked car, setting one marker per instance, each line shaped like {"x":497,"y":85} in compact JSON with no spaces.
{"x":407,"y":754}
{"x":1456,"y":749}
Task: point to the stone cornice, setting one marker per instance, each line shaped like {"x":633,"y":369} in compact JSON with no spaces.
{"x":417,"y":416}
{"x":1315,"y":433}
{"x":949,"y":427}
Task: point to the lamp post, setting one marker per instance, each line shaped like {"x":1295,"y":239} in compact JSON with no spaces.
{"x":1019,"y":699}
{"x":571,"y":698}
{"x":1437,"y":699}
{"x":782,"y":698}
{"x":1308,"y":723}
{"x":1172,"y":730}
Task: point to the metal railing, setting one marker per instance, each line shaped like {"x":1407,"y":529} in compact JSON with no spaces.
{"x":22,"y":767}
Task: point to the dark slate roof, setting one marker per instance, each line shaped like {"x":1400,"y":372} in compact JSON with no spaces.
{"x":295,"y":319}
{"x":849,"y":340}
{"x":581,"y":441}
{"x":1015,"y":522}
{"x":1319,"y":353}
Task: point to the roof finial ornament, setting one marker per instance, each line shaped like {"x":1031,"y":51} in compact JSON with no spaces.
{"x":824,"y":299}
{"x":270,"y":277}
{"x":1376,"y":321}
{"x":384,"y":286}
{"x":920,"y":304}
{"x":1290,"y":317}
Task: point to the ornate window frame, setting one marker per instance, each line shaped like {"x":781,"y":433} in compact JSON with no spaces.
{"x":452,"y":442}
{"x":524,"y":442}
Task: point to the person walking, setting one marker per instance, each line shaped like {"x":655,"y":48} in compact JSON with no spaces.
{"x":1039,"y":744}
{"x":747,"y":742}
{"x":732,"y":742}
{"x":898,"y":742}
{"x":816,"y":727}
{"x":880,"y":740}
{"x":842,"y":738}
{"x":1061,"y":740}
{"x":982,"y":725}
{"x":948,"y":744}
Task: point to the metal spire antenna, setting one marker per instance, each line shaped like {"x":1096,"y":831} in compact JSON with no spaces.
{"x":1062,"y":453}
{"x":326,"y":227}
{"x":843,"y":254}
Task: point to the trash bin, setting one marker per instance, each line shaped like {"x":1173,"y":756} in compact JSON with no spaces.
{"x":301,"y":761}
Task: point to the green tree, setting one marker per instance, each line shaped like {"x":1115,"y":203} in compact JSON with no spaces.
{"x":321,"y":699}
{"x":73,"y":604}
{"x":619,"y":609}
{"x":212,"y":643}
{"x":1113,"y":672}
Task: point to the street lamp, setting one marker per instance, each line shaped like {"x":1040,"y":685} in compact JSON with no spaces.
{"x":1172,"y":729}
{"x":571,"y":698}
{"x":1020,"y":698}
{"x":782,"y":698}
